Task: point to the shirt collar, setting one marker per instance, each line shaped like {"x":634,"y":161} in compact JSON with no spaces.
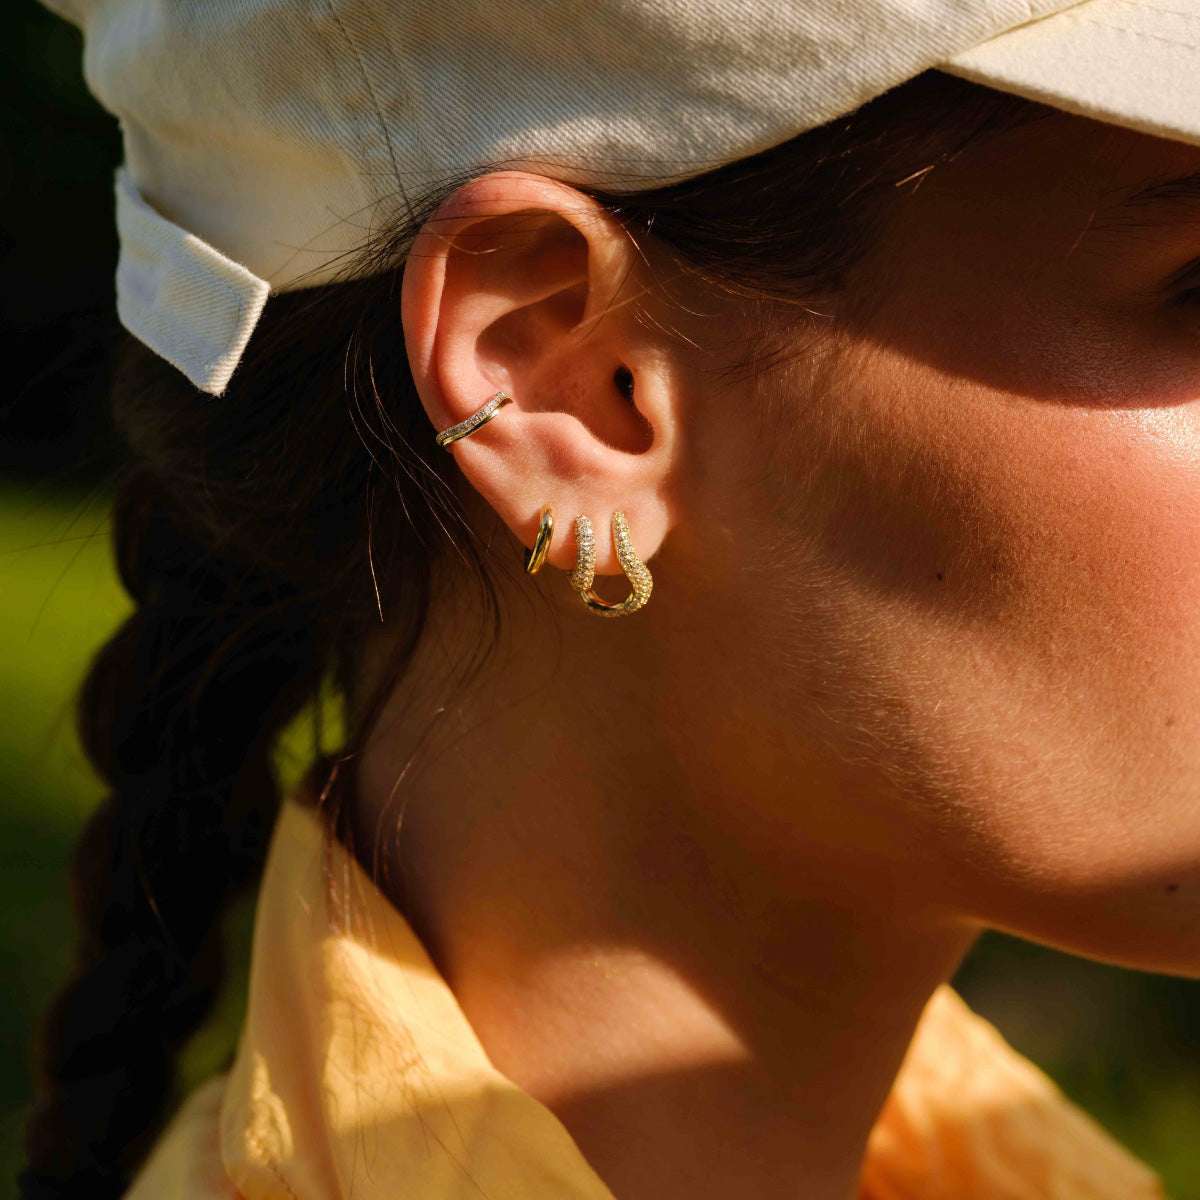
{"x":358,"y":1076}
{"x":357,"y":1073}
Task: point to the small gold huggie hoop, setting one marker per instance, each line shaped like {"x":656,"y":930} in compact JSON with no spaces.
{"x":541,"y":543}
{"x":584,"y":574}
{"x":480,"y":417}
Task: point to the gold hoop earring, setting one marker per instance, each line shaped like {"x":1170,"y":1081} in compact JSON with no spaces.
{"x":480,"y":417}
{"x":541,"y":543}
{"x":584,"y":574}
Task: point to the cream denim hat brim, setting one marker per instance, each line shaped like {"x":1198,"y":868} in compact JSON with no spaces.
{"x":265,"y":140}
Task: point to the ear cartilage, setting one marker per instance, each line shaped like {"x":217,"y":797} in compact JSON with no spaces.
{"x":480,"y":417}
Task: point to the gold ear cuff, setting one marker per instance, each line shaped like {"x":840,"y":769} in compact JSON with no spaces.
{"x":480,"y":417}
{"x":584,"y":574}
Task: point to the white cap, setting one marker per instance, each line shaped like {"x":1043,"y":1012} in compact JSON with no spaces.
{"x":265,"y":139}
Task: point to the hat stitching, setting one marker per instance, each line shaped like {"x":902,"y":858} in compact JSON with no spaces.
{"x":1137,"y":33}
{"x":1171,"y":12}
{"x":366,"y":78}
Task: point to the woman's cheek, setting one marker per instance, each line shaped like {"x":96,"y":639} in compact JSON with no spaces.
{"x":1022,"y":580}
{"x":1053,"y":529}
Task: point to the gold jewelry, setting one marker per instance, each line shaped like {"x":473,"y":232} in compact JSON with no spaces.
{"x":541,"y":543}
{"x":584,"y":574}
{"x":481,"y":416}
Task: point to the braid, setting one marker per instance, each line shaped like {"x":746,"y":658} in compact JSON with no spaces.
{"x":251,"y":567}
{"x":178,"y":714}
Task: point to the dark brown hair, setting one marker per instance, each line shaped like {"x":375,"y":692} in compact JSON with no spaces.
{"x":262,"y":534}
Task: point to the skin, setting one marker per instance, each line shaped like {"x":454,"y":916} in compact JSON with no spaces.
{"x":923,"y":654}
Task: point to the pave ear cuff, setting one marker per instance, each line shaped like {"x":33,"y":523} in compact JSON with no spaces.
{"x":584,"y":574}
{"x":480,"y":417}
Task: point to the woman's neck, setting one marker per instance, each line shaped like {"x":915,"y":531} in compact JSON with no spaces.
{"x":711,"y":993}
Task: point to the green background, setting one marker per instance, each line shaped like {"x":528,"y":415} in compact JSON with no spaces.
{"x":1123,"y":1044}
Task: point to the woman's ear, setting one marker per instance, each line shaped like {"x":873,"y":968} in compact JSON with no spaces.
{"x":522,"y":284}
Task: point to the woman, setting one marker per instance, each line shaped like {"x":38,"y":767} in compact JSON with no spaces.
{"x":893,"y":388}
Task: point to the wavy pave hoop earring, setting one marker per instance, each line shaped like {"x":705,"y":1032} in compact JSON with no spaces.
{"x":584,"y":574}
{"x":480,"y":417}
{"x":541,"y":542}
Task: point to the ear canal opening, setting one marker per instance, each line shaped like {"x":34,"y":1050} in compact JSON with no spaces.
{"x":623,"y":381}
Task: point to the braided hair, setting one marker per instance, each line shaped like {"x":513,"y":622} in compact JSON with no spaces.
{"x":248,"y":565}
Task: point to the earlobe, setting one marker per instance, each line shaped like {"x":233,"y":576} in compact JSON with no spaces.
{"x":519,"y":285}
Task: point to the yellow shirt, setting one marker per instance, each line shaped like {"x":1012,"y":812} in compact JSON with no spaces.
{"x":357,"y":1076}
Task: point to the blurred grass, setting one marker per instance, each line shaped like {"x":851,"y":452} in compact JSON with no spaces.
{"x":60,"y":600}
{"x":1124,"y":1045}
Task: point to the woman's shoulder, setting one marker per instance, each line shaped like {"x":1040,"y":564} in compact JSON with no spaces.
{"x":970,"y":1116}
